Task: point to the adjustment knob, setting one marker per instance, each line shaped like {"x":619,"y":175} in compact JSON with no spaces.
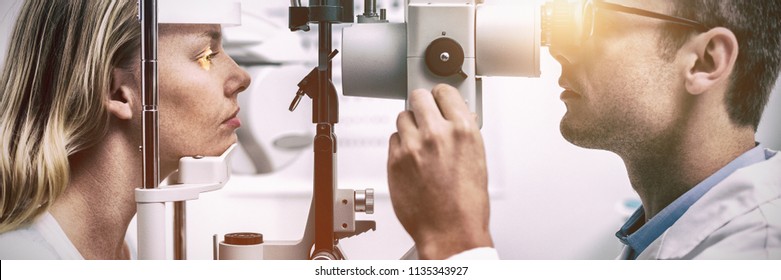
{"x":445,"y":57}
{"x":364,"y":201}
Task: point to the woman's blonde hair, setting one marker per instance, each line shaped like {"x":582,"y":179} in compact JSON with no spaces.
{"x":55,"y":85}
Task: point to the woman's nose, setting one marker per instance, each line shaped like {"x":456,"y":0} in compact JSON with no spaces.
{"x":239,"y":80}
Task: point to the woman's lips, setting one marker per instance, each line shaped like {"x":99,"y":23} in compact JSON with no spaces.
{"x":233,"y":122}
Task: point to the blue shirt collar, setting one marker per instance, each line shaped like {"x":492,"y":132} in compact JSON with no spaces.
{"x":638,"y":234}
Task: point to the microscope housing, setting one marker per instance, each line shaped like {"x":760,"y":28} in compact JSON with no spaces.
{"x":442,"y":41}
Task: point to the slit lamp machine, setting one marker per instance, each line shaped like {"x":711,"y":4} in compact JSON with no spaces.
{"x":441,"y":41}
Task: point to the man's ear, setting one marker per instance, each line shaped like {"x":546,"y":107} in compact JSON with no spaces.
{"x":120,"y":102}
{"x":710,"y":59}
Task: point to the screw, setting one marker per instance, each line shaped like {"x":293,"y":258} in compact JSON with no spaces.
{"x":444,"y":57}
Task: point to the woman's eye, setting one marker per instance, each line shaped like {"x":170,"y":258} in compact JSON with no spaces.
{"x":205,"y":60}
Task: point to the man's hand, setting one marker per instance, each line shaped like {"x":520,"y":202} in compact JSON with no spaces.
{"x":437,"y":174}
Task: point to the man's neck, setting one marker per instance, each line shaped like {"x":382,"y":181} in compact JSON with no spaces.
{"x":98,"y":204}
{"x":663,"y":173}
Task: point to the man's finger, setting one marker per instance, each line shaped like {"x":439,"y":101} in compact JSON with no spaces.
{"x":407,"y":126}
{"x":424,"y":108}
{"x":393,"y":145}
{"x":450,"y":103}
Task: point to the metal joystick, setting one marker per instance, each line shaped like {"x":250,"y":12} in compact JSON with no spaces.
{"x":364,"y":201}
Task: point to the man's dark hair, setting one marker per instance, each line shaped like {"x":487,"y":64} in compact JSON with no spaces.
{"x":757,"y":26}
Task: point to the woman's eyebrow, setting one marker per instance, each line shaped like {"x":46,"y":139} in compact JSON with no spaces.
{"x":213,"y":35}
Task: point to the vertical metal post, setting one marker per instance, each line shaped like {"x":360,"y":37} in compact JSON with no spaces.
{"x":324,"y":71}
{"x":325,"y":113}
{"x":151,"y":217}
{"x":324,"y":147}
{"x":149,"y":94}
{"x":369,"y":7}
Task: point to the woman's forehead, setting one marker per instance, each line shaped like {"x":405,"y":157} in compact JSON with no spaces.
{"x":211,"y":31}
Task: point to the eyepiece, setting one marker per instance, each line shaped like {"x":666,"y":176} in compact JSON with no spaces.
{"x":561,"y":23}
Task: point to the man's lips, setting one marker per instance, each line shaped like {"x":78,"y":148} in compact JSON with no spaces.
{"x":569,"y":94}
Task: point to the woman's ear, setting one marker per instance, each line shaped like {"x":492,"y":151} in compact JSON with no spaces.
{"x":123,"y":87}
{"x":712,"y":59}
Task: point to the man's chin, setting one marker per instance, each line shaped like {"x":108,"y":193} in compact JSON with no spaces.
{"x":580,"y":136}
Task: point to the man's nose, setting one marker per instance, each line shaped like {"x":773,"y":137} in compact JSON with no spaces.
{"x":565,"y":56}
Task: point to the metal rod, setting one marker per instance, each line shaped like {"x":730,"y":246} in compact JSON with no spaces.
{"x":215,"y":248}
{"x":324,"y":67}
{"x":151,"y":216}
{"x":369,"y":7}
{"x":180,"y":230}
{"x":324,"y":147}
{"x":149,"y":94}
{"x":324,"y":189}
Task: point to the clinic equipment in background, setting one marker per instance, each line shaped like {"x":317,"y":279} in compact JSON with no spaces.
{"x":266,"y":143}
{"x":455,"y":42}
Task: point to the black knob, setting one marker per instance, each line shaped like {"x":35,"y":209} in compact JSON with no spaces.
{"x":445,"y":57}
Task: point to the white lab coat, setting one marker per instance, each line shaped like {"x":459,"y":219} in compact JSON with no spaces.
{"x":739,"y":218}
{"x":44,"y":239}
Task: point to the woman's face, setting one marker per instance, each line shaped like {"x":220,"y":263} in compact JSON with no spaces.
{"x":198,"y":86}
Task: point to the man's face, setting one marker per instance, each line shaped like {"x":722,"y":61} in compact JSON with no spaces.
{"x":620,"y":94}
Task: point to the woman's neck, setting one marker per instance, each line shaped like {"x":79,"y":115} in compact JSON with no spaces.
{"x":98,"y":204}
